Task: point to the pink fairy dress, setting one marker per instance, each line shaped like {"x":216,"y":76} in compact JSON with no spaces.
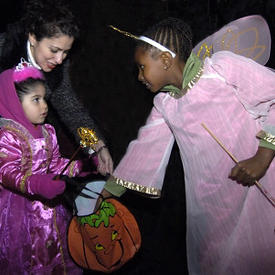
{"x":230,"y":228}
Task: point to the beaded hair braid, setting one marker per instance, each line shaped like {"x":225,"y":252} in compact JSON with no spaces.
{"x":172,"y":33}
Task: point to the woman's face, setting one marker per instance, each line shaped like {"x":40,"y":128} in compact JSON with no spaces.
{"x":50,"y":52}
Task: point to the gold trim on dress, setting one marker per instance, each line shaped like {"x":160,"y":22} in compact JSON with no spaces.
{"x":71,"y":169}
{"x":190,"y":85}
{"x":137,"y":187}
{"x":25,"y":160}
{"x":266,"y":137}
{"x":48,"y":147}
{"x":23,"y":181}
{"x":60,"y":242}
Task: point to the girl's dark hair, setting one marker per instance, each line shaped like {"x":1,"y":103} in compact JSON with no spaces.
{"x":172,"y":33}
{"x":49,"y":18}
{"x":25,"y":87}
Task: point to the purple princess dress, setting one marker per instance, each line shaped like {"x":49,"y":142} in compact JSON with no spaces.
{"x":33,"y":232}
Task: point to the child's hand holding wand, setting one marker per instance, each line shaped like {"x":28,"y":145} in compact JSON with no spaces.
{"x":261,"y":152}
{"x":248,"y":171}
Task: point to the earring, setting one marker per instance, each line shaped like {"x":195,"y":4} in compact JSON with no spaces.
{"x":165,"y":68}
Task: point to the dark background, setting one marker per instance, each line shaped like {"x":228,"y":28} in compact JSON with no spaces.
{"x":105,"y":78}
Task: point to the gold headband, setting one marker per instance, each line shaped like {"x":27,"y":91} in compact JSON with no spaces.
{"x":124,"y":32}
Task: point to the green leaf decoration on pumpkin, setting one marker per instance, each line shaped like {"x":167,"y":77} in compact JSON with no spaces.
{"x":106,"y":211}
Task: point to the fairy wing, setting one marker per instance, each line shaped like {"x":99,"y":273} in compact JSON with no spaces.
{"x":248,"y":36}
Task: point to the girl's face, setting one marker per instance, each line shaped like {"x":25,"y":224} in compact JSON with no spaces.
{"x":34,"y":104}
{"x":50,"y":52}
{"x":151,"y":70}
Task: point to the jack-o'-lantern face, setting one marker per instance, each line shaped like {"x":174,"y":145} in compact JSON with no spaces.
{"x":106,"y":240}
{"x":108,"y":245}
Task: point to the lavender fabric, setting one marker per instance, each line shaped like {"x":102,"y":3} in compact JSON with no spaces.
{"x":32,"y":230}
{"x":248,"y":36}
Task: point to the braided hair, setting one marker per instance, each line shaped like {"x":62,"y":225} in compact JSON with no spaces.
{"x":172,"y":33}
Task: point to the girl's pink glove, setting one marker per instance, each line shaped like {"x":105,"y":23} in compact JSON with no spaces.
{"x":46,"y":186}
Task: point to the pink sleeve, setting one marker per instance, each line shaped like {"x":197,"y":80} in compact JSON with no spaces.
{"x":11,"y":158}
{"x":143,"y":166}
{"x":254,"y":85}
{"x":58,"y":163}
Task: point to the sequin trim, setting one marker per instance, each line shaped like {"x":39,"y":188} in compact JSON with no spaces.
{"x":59,"y":238}
{"x":137,"y":187}
{"x":26,"y":156}
{"x":23,"y":181}
{"x":48,"y":147}
{"x":72,"y":168}
{"x":189,"y":86}
{"x":266,"y":136}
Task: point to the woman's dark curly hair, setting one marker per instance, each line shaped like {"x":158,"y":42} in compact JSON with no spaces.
{"x":44,"y":19}
{"x":172,"y":33}
{"x":49,"y":18}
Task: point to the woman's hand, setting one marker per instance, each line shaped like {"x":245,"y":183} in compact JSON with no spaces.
{"x":246,"y":172}
{"x":105,"y":162}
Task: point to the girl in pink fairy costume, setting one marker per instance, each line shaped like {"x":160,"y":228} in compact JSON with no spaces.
{"x":33,"y":223}
{"x":230,"y":224}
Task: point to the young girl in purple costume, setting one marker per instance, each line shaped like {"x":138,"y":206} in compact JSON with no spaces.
{"x":33,"y":223}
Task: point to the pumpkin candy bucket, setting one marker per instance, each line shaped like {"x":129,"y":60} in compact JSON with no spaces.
{"x":104,"y":241}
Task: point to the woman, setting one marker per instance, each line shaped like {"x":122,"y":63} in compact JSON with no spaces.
{"x":50,"y":31}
